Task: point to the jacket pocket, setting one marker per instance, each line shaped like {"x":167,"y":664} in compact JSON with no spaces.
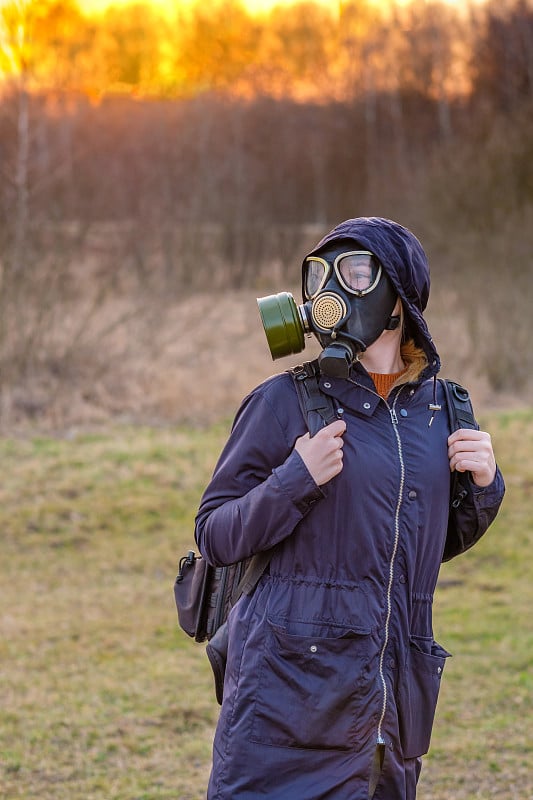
{"x":310,"y":689}
{"x":418,"y":693}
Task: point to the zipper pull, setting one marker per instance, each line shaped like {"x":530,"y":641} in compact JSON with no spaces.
{"x":393,"y":416}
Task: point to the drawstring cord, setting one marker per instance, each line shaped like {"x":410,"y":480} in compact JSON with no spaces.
{"x":434,"y":406}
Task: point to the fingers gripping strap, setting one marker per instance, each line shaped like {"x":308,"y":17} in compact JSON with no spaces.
{"x":318,"y":410}
{"x":460,"y":415}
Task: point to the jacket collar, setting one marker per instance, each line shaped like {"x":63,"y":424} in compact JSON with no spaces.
{"x":358,"y":392}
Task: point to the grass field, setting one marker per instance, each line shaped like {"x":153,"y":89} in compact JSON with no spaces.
{"x":103,"y":698}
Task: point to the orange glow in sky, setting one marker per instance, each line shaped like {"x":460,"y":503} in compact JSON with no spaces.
{"x":255,"y":6}
{"x":140,"y":56}
{"x":172,"y":5}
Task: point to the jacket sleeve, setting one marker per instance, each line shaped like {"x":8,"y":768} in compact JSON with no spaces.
{"x":260,"y":489}
{"x":470,"y":520}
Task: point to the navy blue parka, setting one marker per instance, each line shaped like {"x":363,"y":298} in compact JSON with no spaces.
{"x":334,"y":653}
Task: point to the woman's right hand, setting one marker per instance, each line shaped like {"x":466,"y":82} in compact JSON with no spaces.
{"x":322,"y":453}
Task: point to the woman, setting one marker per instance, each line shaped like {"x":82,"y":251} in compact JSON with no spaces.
{"x":333,"y":672}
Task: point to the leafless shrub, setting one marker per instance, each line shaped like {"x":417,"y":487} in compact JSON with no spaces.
{"x":478,"y":221}
{"x":122,"y":217}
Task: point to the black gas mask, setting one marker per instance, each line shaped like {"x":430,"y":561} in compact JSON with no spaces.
{"x":352,"y":300}
{"x":348,"y":303}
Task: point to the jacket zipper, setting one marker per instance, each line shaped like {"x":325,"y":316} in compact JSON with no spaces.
{"x":394,"y":420}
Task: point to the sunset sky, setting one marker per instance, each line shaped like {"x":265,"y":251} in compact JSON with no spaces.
{"x":170,"y":5}
{"x":252,"y":5}
{"x":219,"y":48}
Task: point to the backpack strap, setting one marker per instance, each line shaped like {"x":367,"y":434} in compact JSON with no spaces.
{"x":318,"y":408}
{"x":253,"y":572}
{"x":460,"y":415}
{"x":459,"y":405}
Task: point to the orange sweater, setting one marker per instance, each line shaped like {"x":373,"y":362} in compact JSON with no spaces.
{"x":383,"y":383}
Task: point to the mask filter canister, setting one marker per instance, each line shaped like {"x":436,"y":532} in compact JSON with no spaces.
{"x":284,"y":322}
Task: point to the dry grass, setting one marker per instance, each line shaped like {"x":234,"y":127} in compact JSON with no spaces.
{"x":103,"y":698}
{"x":102,"y":328}
{"x":192,"y":359}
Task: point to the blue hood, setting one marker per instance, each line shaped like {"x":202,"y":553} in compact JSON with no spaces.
{"x":406,"y":264}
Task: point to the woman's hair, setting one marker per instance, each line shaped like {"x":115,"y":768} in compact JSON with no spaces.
{"x":414,"y":359}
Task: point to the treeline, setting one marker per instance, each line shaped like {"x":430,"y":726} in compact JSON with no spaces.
{"x":425,"y":116}
{"x":165,"y":167}
{"x":352,"y":108}
{"x":303,"y":51}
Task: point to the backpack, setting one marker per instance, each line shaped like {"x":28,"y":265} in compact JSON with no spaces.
{"x":204,"y":594}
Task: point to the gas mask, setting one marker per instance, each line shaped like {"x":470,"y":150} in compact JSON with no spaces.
{"x":348,"y":303}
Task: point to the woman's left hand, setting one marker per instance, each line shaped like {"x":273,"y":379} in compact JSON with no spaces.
{"x":471,"y":451}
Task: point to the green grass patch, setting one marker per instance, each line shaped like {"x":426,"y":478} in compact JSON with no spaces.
{"x":104,"y":698}
{"x":481,"y":747}
{"x":102,"y":695}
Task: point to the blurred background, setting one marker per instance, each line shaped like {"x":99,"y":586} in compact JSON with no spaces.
{"x":163,"y":164}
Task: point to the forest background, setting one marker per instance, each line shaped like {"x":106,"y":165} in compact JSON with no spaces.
{"x":163,"y":166}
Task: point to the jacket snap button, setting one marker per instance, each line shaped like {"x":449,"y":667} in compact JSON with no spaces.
{"x":327,"y":385}
{"x":412,"y":495}
{"x":403,"y":579}
{"x":403,"y":412}
{"x":313,"y":648}
{"x":366,"y":405}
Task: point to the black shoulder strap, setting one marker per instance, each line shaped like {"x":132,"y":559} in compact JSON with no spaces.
{"x":460,"y":415}
{"x":254,"y":570}
{"x":318,"y":409}
{"x":460,"y":411}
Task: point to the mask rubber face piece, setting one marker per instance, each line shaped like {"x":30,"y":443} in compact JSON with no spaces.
{"x":352,"y":300}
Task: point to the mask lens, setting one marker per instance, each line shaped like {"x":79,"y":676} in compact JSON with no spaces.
{"x":358,"y":272}
{"x":315,"y":271}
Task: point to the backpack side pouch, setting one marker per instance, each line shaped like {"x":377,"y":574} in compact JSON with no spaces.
{"x":190,"y":589}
